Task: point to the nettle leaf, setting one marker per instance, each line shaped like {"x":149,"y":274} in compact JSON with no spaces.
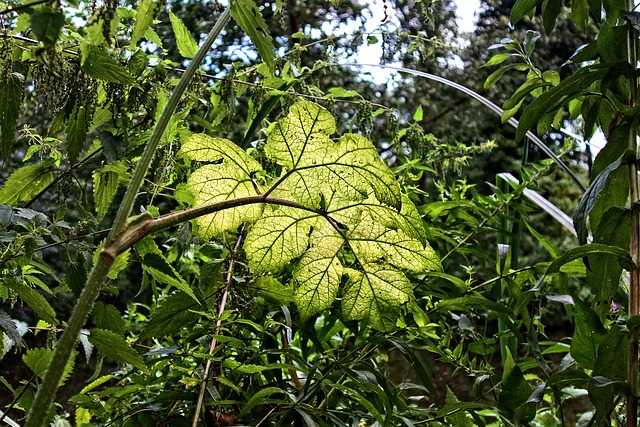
{"x":34,"y":300}
{"x":147,"y":10}
{"x":351,"y":208}
{"x":10,"y":101}
{"x":99,"y":64}
{"x":228,"y":178}
{"x":106,"y":181}
{"x":37,"y":359}
{"x":187,"y":46}
{"x":173,"y":314}
{"x":248,"y":17}
{"x":25,"y":183}
{"x":46,"y":25}
{"x":107,"y":316}
{"x":114,"y":346}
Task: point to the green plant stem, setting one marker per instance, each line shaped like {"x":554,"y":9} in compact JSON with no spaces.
{"x":46,"y":392}
{"x":634,"y":282}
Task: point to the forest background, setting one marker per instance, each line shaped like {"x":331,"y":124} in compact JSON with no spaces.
{"x":438,"y":284}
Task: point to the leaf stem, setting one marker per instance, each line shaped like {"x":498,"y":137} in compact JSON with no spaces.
{"x":45,"y":395}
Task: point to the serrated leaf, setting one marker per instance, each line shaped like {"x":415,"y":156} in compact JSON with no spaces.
{"x":172,"y":315}
{"x":248,"y":17}
{"x":319,"y":169}
{"x":25,"y":183}
{"x":120,"y":263}
{"x":37,"y":359}
{"x":159,"y":268}
{"x":375,"y":295}
{"x":100,"y":65}
{"x":318,"y":273}
{"x":77,"y":128}
{"x":370,"y":242}
{"x":34,"y":300}
{"x":229,"y":177}
{"x":114,"y":346}
{"x":106,"y":181}
{"x":187,"y":46}
{"x":145,"y":14}
{"x":107,"y":316}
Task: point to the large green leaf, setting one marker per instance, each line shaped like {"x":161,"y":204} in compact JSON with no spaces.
{"x":248,"y":17}
{"x":350,"y":202}
{"x":609,"y":189}
{"x":515,"y":392}
{"x":610,"y":368}
{"x":521,"y":8}
{"x":107,"y":316}
{"x":37,"y":359}
{"x":229,"y":176}
{"x":10,"y":100}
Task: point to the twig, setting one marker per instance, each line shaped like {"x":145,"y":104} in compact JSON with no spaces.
{"x":214,"y":341}
{"x":24,"y":6}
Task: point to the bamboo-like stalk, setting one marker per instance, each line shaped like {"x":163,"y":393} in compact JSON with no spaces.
{"x":46,"y":392}
{"x":634,"y":282}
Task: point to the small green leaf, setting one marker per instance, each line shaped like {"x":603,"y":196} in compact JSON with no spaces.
{"x":10,"y":101}
{"x":515,"y":391}
{"x":580,"y":13}
{"x":34,"y":300}
{"x":172,"y":315}
{"x":248,"y":17}
{"x":339,"y":92}
{"x":146,"y":12}
{"x":417,"y":116}
{"x":106,"y":181}
{"x":37,"y":359}
{"x":521,"y":8}
{"x":187,"y":46}
{"x":25,"y":183}
{"x":99,"y":64}
{"x":120,"y":263}
{"x":46,"y":25}
{"x":107,"y":316}
{"x":256,"y":399}
{"x":114,"y":346}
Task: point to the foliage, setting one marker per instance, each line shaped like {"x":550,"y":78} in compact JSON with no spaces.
{"x":299,"y":253}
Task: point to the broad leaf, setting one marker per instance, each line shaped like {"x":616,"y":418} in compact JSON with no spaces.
{"x":107,"y":316}
{"x":350,"y":207}
{"x":515,"y":392}
{"x":248,"y":17}
{"x":610,"y":367}
{"x":172,"y":315}
{"x":521,"y":8}
{"x":114,"y":346}
{"x":34,"y":300}
{"x":187,"y":46}
{"x":10,"y":100}
{"x":106,"y":181}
